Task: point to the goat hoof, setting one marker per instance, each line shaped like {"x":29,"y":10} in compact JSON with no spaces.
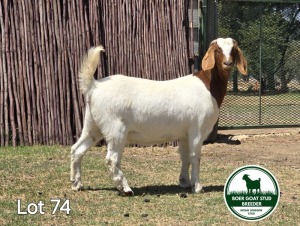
{"x":183,"y":183}
{"x":126,"y":193}
{"x":198,"y":189}
{"x":77,"y":186}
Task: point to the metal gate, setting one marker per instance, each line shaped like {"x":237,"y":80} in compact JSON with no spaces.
{"x":269,"y":35}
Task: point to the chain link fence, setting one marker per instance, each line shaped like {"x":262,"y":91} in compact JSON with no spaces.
{"x":269,"y":35}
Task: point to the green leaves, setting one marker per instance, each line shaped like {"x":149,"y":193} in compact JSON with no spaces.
{"x":267,"y":33}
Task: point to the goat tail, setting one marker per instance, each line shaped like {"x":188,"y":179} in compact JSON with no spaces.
{"x":88,"y":67}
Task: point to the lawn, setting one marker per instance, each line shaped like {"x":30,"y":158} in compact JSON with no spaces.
{"x":243,"y":110}
{"x":40,"y":174}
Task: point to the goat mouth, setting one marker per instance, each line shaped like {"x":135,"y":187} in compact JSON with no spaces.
{"x":227,"y":67}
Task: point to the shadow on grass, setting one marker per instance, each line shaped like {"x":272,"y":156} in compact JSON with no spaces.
{"x":161,"y":189}
{"x":225,"y":139}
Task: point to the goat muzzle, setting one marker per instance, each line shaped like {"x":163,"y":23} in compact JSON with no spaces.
{"x":228,"y":63}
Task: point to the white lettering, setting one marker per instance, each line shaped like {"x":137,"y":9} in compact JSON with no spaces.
{"x":32,"y":208}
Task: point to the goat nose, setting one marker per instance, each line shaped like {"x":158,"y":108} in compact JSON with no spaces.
{"x":227,"y":62}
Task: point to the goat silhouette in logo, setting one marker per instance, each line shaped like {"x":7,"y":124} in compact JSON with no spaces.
{"x":252,"y":184}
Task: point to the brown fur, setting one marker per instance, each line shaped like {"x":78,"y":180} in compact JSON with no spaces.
{"x":213,"y":73}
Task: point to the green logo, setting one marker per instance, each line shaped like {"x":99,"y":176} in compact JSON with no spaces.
{"x":251,"y":193}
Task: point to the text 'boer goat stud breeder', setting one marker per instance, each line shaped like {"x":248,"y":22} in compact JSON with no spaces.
{"x":127,"y":110}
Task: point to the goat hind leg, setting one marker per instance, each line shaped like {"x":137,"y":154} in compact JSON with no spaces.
{"x":113,"y":160}
{"x":184,"y":179}
{"x":78,"y":150}
{"x":89,"y":137}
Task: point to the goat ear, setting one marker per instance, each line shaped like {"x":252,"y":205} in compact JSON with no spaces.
{"x":208,"y":61}
{"x":241,"y":62}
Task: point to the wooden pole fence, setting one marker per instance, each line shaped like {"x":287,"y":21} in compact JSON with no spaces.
{"x":42,"y":43}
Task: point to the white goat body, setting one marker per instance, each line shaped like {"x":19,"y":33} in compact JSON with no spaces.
{"x":123,"y":109}
{"x":151,"y":111}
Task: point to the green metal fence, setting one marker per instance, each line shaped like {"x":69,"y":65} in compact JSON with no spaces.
{"x":269,"y":35}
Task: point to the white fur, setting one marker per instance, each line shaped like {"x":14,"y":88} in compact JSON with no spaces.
{"x":124,"y":110}
{"x":152,"y":111}
{"x":226,"y":45}
{"x":88,"y":68}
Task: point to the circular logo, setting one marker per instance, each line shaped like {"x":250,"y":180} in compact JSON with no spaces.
{"x":251,"y":193}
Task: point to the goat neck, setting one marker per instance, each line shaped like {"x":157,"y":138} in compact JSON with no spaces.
{"x":215,"y":81}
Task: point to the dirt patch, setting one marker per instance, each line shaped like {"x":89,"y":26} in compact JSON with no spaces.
{"x":281,"y":146}
{"x":265,"y":146}
{"x":278,"y":150}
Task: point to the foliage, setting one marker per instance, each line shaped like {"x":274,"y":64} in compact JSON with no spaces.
{"x":292,"y":65}
{"x":265,"y":32}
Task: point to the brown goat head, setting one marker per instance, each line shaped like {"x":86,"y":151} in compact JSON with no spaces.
{"x":224,"y":53}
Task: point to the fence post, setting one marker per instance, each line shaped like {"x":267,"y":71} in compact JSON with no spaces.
{"x":208,"y":33}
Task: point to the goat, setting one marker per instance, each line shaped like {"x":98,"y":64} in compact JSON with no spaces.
{"x":251,"y":184}
{"x":127,"y":110}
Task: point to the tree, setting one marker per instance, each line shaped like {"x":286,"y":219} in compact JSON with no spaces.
{"x":271,"y":26}
{"x":292,"y":66}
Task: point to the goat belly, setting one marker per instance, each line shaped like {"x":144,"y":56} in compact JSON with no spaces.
{"x":143,"y":139}
{"x":155,"y":135}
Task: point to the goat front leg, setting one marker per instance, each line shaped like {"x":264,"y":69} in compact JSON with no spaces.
{"x":113,"y":160}
{"x":184,"y":179}
{"x":195,"y":145}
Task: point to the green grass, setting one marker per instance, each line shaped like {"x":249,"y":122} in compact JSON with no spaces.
{"x":242,"y":110}
{"x":41,"y":173}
